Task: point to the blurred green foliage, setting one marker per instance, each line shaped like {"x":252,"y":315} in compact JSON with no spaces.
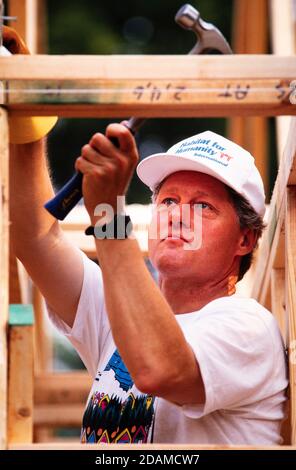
{"x":126,"y":27}
{"x":98,"y":27}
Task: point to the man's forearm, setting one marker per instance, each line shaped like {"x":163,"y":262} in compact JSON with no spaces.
{"x":30,"y":187}
{"x":144,"y":328}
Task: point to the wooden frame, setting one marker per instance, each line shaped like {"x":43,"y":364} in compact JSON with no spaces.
{"x":273,"y":237}
{"x":276,"y":261}
{"x":250,"y":36}
{"x":4,"y":258}
{"x":143,"y":447}
{"x":30,"y":22}
{"x":149,"y":86}
{"x":157,"y":86}
{"x":53,"y":390}
{"x":20,"y":377}
{"x":290,"y":227}
{"x":283,"y":40}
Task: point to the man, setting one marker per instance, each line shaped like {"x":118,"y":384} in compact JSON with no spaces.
{"x":183,"y":362}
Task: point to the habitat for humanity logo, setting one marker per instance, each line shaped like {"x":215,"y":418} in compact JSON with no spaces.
{"x":205,"y":148}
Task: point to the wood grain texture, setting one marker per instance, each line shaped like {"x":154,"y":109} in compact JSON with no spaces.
{"x":291,"y":300}
{"x":4,"y":275}
{"x":20,"y":374}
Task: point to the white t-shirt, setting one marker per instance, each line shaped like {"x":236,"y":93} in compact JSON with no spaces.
{"x":241,"y":357}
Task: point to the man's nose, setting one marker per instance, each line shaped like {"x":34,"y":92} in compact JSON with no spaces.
{"x":179,"y":216}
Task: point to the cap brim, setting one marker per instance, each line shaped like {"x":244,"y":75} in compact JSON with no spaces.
{"x":154,"y":169}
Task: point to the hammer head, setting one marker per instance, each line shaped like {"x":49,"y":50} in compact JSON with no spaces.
{"x":209,"y":38}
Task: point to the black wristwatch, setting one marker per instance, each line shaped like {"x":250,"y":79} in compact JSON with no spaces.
{"x":120,"y":227}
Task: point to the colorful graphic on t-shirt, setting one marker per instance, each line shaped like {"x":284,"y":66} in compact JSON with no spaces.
{"x":116,"y":411}
{"x":121,"y":373}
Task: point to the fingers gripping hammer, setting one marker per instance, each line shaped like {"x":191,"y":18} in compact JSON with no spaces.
{"x":209,"y":40}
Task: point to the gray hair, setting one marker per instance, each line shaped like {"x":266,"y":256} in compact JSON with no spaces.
{"x":248,"y":218}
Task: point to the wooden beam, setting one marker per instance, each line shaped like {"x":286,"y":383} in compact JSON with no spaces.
{"x":278,"y":300}
{"x":291,"y":299}
{"x":4,"y":275}
{"x":143,"y":447}
{"x":283,"y":27}
{"x":256,"y":139}
{"x":14,"y":284}
{"x":58,"y":415}
{"x":283,"y":42}
{"x":273,"y":249}
{"x":20,"y":378}
{"x":250,"y":37}
{"x":194,"y":110}
{"x":200,"y":98}
{"x":30,"y":22}
{"x":282,"y":129}
{"x":149,"y":86}
{"x":19,"y":282}
{"x":60,"y":399}
{"x":272,"y":234}
{"x":18,"y":8}
{"x":147,"y":67}
{"x":43,"y":353}
{"x":57,"y":388}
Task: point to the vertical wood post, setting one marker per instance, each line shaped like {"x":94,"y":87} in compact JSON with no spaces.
{"x":31,"y":24}
{"x":278,"y":299}
{"x":21,"y":374}
{"x":4,"y":251}
{"x":291,"y":299}
{"x":250,"y":37}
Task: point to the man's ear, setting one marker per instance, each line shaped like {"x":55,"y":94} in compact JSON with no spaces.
{"x":247,"y":242}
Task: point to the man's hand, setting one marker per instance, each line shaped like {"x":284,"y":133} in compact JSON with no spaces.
{"x":107,"y":170}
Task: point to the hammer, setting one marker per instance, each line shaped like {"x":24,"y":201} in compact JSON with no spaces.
{"x":209,"y":39}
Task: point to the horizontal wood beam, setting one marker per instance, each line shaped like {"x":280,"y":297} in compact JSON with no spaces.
{"x":144,"y":447}
{"x":56,"y":388}
{"x":58,"y":415}
{"x":157,"y":67}
{"x":60,"y":398}
{"x":179,"y":98}
{"x":156,"y":110}
{"x":149,"y":86}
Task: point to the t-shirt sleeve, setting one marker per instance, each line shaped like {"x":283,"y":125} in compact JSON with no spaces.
{"x":91,"y":326}
{"x":236,"y":357}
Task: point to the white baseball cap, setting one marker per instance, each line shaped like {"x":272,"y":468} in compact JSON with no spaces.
{"x":214,"y":155}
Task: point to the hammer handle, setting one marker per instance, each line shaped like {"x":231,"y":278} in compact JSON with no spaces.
{"x":71,"y":193}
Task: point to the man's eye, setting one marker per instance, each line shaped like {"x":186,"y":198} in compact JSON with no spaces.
{"x":202,"y":205}
{"x":168,"y":201}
